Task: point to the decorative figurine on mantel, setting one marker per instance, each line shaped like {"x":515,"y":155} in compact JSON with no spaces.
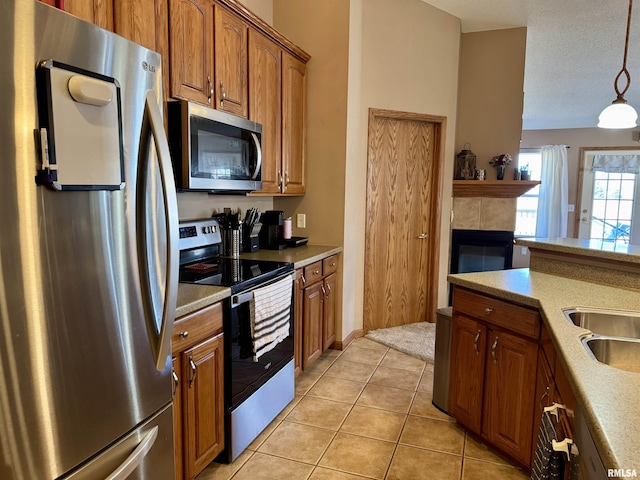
{"x":465,"y":167}
{"x":500,"y":162}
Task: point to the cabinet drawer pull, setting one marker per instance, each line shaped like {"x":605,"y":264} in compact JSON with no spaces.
{"x":316,"y":272}
{"x":488,"y":310}
{"x":333,"y":264}
{"x":493,"y":350}
{"x":475,"y":342}
{"x":194,"y":372}
{"x":184,"y":334}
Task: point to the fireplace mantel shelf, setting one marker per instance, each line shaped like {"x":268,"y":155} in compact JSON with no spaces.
{"x":492,"y":188}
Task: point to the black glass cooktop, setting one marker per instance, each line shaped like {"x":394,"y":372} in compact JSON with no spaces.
{"x":237,"y":273}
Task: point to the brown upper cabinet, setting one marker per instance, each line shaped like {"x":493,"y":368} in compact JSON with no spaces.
{"x":265,"y":105}
{"x":218,"y":53}
{"x":230,"y":46}
{"x":294,"y":106}
{"x":277,"y":100}
{"x":98,"y":12}
{"x":191,"y":50}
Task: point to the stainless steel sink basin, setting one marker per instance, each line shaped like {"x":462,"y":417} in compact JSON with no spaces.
{"x":606,"y":322}
{"x":620,"y":353}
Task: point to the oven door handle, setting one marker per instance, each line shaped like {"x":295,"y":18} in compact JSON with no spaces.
{"x":159,"y":295}
{"x":240,"y":298}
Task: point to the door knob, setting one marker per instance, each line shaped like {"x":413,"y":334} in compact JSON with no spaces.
{"x":422,"y":236}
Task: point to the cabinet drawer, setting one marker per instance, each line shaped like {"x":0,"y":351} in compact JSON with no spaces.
{"x":329,"y":265}
{"x":497,"y":312}
{"x":197,"y":326}
{"x":313,"y":272}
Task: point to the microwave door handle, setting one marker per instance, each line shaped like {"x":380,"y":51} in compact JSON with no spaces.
{"x":152,"y":124}
{"x":259,"y":152}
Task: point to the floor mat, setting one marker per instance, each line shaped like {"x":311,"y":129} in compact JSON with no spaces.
{"x":415,"y":339}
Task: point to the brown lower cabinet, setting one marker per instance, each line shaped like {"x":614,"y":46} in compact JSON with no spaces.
{"x":198,"y":349}
{"x":493,"y":371}
{"x":315,"y":310}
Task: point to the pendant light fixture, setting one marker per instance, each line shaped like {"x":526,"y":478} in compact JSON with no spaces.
{"x":620,"y":114}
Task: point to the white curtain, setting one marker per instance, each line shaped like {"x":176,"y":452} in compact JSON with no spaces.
{"x":554,"y":193}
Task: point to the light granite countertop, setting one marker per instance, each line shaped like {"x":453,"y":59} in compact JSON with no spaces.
{"x":610,"y":397}
{"x":585,"y":247}
{"x":193,"y":297}
{"x":299,"y":256}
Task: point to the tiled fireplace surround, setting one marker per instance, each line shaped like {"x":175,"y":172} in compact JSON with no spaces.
{"x":484,"y":213}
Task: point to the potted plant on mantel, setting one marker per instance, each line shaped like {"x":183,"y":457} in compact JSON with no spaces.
{"x":500,"y":162}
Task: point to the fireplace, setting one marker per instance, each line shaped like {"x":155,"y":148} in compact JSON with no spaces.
{"x":480,"y":251}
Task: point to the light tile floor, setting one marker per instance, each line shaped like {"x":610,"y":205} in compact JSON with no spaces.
{"x":364,"y":413}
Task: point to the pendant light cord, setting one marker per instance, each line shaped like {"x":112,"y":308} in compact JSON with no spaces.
{"x":624,"y":61}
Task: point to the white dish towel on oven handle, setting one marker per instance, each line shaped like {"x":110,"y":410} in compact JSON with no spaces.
{"x":270,"y":309}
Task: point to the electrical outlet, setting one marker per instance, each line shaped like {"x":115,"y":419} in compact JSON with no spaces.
{"x":571,"y":208}
{"x":301,"y":220}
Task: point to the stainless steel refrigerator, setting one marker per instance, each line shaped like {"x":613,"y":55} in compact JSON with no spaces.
{"x":88,"y":253}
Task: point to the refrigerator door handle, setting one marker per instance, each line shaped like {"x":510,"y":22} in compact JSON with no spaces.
{"x":152,"y":124}
{"x":127,"y":467}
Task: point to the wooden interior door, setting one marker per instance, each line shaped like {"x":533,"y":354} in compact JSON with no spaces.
{"x":403,"y":218}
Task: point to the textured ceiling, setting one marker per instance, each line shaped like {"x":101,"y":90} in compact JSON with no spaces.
{"x":574,"y":52}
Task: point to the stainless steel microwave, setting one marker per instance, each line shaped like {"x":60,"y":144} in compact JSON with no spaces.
{"x":212,"y":150}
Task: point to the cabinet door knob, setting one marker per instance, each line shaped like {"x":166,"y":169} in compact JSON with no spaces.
{"x":488,"y":310}
{"x":184,"y":334}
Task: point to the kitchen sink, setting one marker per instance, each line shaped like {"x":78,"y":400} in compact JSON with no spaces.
{"x":620,"y":353}
{"x":613,"y":323}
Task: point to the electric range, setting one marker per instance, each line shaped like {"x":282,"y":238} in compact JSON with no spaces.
{"x":256,"y":389}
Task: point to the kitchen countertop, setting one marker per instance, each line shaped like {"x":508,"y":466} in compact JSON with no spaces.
{"x":586,"y":247}
{"x":299,"y":256}
{"x":193,"y":297}
{"x":609,"y":396}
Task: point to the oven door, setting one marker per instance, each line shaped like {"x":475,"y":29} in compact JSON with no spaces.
{"x":246,"y":376}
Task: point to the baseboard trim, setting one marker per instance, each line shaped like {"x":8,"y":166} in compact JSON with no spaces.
{"x":341,"y":345}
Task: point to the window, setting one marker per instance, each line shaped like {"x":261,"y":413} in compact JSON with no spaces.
{"x":612,"y":209}
{"x":527,"y":206}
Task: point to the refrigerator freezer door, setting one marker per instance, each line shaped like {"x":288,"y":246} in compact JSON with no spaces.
{"x":142,"y":455}
{"x":78,"y":365}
